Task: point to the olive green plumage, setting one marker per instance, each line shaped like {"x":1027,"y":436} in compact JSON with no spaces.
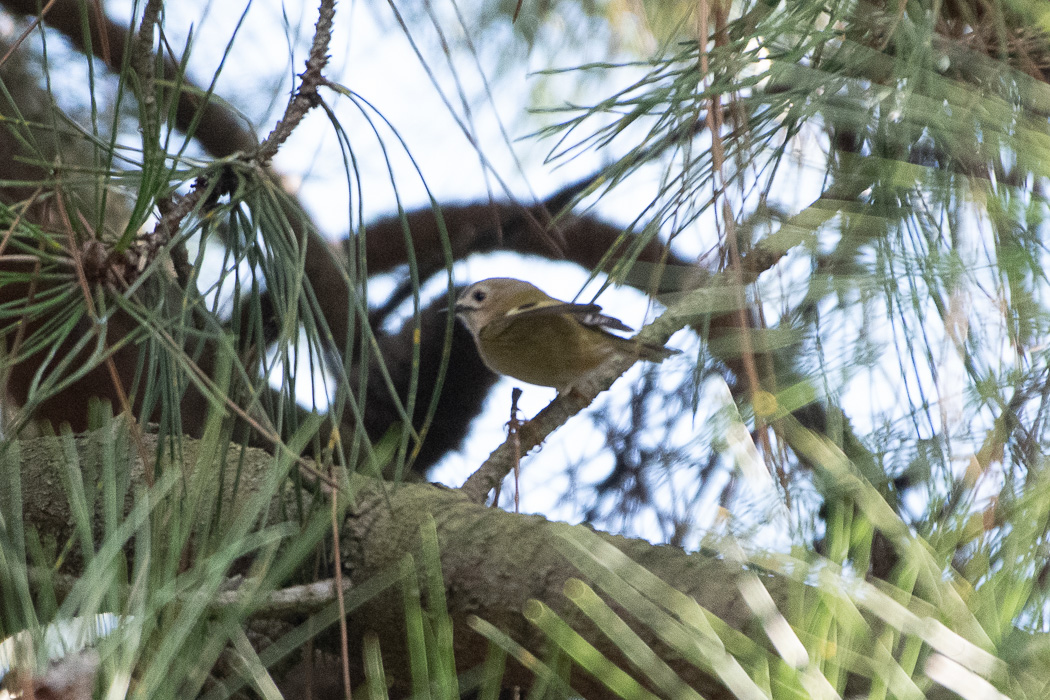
{"x":523,"y":333}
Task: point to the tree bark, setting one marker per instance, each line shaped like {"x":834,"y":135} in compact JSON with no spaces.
{"x":493,"y":562}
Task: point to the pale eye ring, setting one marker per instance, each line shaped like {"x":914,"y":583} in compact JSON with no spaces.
{"x":479,"y":295}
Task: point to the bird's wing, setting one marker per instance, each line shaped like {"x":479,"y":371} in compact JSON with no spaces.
{"x":588,"y":314}
{"x":600,"y":320}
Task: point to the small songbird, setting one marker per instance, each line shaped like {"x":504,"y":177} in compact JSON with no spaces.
{"x":525,"y":334}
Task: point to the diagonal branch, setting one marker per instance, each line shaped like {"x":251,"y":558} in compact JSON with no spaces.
{"x":306,"y":96}
{"x":686,"y":311}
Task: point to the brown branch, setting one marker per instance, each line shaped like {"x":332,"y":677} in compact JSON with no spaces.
{"x":142,"y":64}
{"x":306,"y":97}
{"x":688,"y":310}
{"x":566,"y":405}
{"x":492,"y":562}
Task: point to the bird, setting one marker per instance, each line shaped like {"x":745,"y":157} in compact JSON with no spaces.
{"x":523,"y":333}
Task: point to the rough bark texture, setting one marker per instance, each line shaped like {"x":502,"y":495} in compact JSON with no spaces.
{"x":493,"y":561}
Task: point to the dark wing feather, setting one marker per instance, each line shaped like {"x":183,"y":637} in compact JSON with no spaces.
{"x":588,"y":314}
{"x":597,"y":320}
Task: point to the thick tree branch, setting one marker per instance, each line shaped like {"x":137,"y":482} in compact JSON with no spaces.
{"x":493,"y":562}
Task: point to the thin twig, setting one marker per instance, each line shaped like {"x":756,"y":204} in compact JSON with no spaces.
{"x":747,"y":351}
{"x":514,"y":427}
{"x":306,"y":97}
{"x":687,"y":310}
{"x":103,"y":36}
{"x":171,"y":214}
{"x":142,"y":64}
{"x":176,"y":208}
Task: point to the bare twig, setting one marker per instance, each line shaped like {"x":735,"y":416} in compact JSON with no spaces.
{"x":177,"y":208}
{"x":715,"y":125}
{"x":687,"y":310}
{"x":306,"y":96}
{"x":290,"y":602}
{"x":513,"y":428}
{"x":142,"y":64}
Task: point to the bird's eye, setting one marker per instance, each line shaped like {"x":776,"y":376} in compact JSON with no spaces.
{"x":479,"y":295}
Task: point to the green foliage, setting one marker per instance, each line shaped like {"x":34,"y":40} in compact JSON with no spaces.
{"x":888,"y":377}
{"x":168,"y":597}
